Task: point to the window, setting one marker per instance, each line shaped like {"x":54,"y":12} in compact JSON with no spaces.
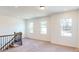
{"x":66,"y":27}
{"x":43,"y":27}
{"x":31,"y":27}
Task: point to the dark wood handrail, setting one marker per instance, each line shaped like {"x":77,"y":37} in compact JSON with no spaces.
{"x":11,"y":34}
{"x":6,"y":35}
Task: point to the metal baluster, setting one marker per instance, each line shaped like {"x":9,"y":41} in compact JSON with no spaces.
{"x":7,"y":41}
{"x":2,"y":43}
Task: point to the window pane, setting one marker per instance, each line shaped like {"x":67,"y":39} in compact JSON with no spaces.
{"x":43,"y":30}
{"x":31,"y":27}
{"x":66,"y":27}
{"x":43,"y":27}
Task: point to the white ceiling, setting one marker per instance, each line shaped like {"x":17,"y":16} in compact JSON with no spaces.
{"x":26,"y":12}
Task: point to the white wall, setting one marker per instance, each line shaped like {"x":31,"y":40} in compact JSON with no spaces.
{"x":54,"y":29}
{"x":77,"y":29}
{"x":9,"y":25}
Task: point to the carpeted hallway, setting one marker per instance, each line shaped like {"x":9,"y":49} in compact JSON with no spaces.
{"x":30,"y":45}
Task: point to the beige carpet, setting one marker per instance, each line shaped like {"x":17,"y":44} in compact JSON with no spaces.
{"x":30,"y":45}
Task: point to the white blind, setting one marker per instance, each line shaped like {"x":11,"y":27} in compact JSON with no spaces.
{"x":31,"y":25}
{"x":43,"y":27}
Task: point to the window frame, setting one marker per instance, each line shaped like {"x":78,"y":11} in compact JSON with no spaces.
{"x":31,"y":27}
{"x":43,"y":27}
{"x":66,"y":31}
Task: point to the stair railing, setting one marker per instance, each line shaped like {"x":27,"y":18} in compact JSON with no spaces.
{"x":7,"y":40}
